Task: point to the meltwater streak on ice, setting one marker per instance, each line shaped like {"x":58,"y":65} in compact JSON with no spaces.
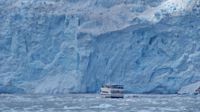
{"x":65,"y":46}
{"x":93,"y":103}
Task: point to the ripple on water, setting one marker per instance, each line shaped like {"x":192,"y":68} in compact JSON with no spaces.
{"x":102,"y":106}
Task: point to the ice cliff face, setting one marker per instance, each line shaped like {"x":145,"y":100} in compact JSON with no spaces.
{"x":61,"y":46}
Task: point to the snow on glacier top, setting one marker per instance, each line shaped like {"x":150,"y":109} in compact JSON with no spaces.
{"x":170,"y":7}
{"x":105,"y":16}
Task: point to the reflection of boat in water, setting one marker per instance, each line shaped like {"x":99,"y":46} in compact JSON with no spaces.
{"x":112,"y":91}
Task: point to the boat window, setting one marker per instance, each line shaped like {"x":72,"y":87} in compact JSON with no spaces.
{"x":104,"y":91}
{"x":116,"y":91}
{"x":114,"y":86}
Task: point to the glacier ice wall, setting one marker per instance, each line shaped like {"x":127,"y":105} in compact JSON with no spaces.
{"x":61,"y":46}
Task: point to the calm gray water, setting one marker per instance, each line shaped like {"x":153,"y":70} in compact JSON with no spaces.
{"x":94,"y":103}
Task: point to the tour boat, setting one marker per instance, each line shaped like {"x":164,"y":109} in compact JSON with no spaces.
{"x":112,"y":91}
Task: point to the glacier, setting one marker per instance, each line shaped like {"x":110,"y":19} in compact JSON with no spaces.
{"x":72,"y":46}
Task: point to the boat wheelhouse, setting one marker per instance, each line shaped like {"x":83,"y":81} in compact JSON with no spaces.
{"x":112,"y":91}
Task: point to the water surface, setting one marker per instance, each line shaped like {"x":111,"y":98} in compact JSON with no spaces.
{"x":94,"y":103}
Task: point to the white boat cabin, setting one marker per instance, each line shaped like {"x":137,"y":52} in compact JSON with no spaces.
{"x":112,"y":91}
